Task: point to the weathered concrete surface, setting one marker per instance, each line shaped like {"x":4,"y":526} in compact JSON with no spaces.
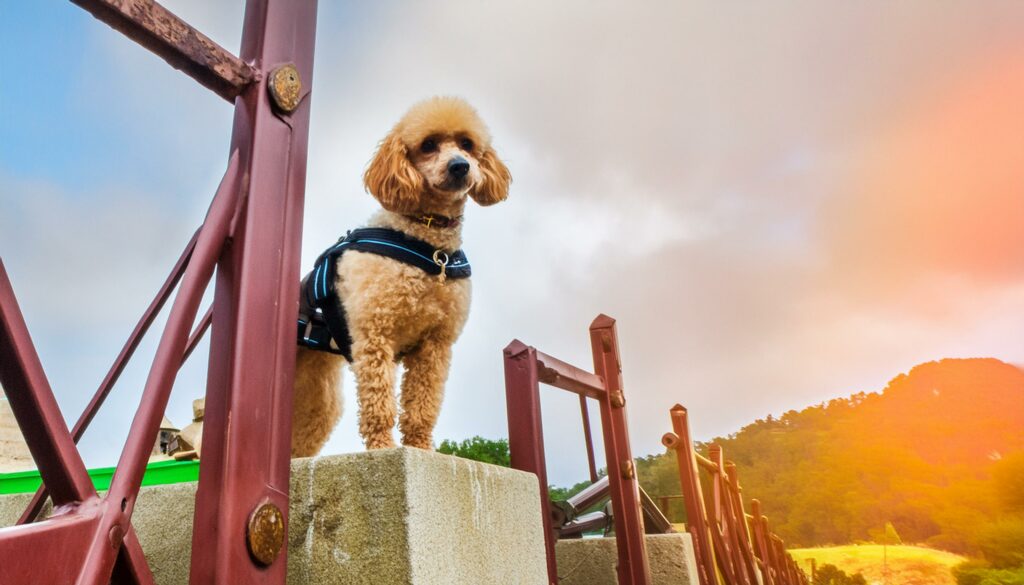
{"x":591,"y":561}
{"x":395,"y":516}
{"x":14,"y":454}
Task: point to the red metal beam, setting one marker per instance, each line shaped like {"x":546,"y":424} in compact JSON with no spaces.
{"x":99,"y":397}
{"x":51,"y":551}
{"x":655,"y":521}
{"x":554,"y":372}
{"x":246,"y":462}
{"x":119,"y":502}
{"x":632,"y":567}
{"x":526,"y":433}
{"x":253,"y":353}
{"x":183,"y":47}
{"x":587,"y":497}
{"x":696,"y":514}
{"x":61,"y":468}
{"x":588,"y":438}
{"x":35,"y":408}
{"x":197,"y":334}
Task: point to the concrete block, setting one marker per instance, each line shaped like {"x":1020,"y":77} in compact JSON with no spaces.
{"x":11,"y":507}
{"x":592,"y":561}
{"x":394,"y":516}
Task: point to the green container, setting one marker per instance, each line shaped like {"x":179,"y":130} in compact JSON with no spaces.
{"x":157,"y":473}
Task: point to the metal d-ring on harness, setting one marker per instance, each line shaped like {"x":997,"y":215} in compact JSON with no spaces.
{"x":442,"y":263}
{"x":322,"y":324}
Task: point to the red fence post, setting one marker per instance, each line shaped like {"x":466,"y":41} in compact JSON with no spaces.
{"x":689,"y":481}
{"x":761,"y":543}
{"x":526,"y":432}
{"x":246,"y":462}
{"x":623,"y":485}
{"x":721,"y":531}
{"x":744,"y":546}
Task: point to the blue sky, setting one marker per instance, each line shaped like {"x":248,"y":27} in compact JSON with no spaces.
{"x":762,"y":195}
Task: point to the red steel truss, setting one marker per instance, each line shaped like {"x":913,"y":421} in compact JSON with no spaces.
{"x":525,"y":369}
{"x":251,"y":236}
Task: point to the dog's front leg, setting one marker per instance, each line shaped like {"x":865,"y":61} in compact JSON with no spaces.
{"x":374,"y":367}
{"x":426,"y":370}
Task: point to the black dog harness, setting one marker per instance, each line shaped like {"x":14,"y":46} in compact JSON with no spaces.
{"x":322,"y":324}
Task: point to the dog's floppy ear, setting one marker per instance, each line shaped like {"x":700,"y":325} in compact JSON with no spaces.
{"x":495,"y":179}
{"x":392,"y":179}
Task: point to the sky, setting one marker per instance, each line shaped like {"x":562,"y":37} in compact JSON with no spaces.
{"x":780,"y":203}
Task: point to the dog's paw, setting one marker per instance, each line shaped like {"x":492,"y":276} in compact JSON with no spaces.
{"x":380,"y":442}
{"x":419,"y":441}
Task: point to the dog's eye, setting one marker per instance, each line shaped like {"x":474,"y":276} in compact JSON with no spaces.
{"x":466,"y":144}
{"x":429,"y":145}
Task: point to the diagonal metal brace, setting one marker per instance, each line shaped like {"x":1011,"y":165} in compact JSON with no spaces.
{"x":175,"y":41}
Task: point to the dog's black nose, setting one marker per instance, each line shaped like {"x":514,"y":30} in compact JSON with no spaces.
{"x":458,"y":167}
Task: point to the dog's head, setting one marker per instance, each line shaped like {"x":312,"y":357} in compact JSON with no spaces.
{"x":436,"y":155}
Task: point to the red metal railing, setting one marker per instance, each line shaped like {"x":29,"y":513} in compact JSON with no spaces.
{"x":525,"y":369}
{"x":731,"y":547}
{"x":251,"y":235}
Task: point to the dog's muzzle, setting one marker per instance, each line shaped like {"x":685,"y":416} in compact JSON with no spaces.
{"x":458,"y":167}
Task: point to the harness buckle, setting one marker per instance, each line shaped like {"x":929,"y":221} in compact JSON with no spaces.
{"x":441,"y":263}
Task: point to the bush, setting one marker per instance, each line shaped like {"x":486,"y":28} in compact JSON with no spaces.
{"x":1002,"y":542}
{"x":832,"y":575}
{"x":980,"y":573}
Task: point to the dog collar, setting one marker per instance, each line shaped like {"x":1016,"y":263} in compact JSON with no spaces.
{"x":438,"y":221}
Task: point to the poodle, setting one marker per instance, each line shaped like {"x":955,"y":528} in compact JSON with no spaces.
{"x":395,"y":310}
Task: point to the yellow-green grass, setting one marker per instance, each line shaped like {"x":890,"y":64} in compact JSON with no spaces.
{"x":907,"y":565}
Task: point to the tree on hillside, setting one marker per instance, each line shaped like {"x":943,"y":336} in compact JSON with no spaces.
{"x":493,"y":451}
{"x":1002,"y":540}
{"x":922,"y":454}
{"x":832,"y":575}
{"x":1008,"y":476}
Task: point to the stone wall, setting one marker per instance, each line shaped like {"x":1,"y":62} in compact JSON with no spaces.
{"x":394,"y":516}
{"x":14,"y":454}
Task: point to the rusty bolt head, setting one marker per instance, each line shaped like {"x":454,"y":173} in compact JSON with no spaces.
{"x":285,"y":87}
{"x":116,"y":536}
{"x":628,"y":472}
{"x":617,"y":399}
{"x":670,"y":440}
{"x":265,"y":533}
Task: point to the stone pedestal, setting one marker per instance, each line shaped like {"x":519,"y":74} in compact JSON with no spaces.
{"x":395,"y":516}
{"x":591,"y":561}
{"x":14,"y":454}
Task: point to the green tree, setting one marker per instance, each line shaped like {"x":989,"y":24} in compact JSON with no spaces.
{"x":980,"y":573}
{"x":832,"y":575}
{"x":493,"y":451}
{"x":1002,"y":542}
{"x":560,"y":494}
{"x":1008,"y":476}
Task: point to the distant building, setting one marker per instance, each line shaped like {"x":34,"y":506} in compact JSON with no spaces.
{"x":163,"y":438}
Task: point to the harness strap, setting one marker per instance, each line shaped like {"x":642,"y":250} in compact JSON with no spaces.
{"x":322,"y":324}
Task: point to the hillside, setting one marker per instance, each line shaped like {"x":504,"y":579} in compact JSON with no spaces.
{"x":920,"y":454}
{"x":903,"y":565}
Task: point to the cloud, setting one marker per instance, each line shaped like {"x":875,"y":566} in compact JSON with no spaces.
{"x":779,"y":203}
